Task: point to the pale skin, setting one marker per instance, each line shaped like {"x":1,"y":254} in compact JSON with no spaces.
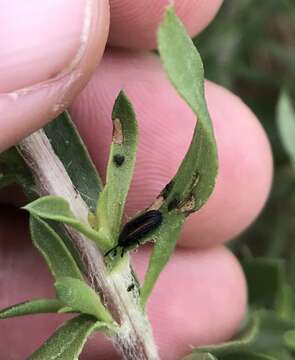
{"x":201,"y":297}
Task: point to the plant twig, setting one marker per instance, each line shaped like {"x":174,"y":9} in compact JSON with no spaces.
{"x":134,"y":339}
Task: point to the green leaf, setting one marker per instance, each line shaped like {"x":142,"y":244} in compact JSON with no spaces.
{"x":39,"y":306}
{"x":243,"y":342}
{"x":286,"y":124}
{"x":57,"y":209}
{"x":263,"y":338}
{"x":66,"y":142}
{"x":289,"y":338}
{"x":68,"y":341}
{"x":248,"y":356}
{"x":52,"y":208}
{"x":270,"y":339}
{"x":51,"y":246}
{"x":195,"y":179}
{"x":6,"y":179}
{"x":13,"y":170}
{"x":120,"y":167}
{"x":165,"y":242}
{"x":265,"y":279}
{"x":201,"y":356}
{"x":77,"y":295}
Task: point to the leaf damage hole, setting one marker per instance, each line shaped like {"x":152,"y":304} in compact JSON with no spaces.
{"x":117,"y":132}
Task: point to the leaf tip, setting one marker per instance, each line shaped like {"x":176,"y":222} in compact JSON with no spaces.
{"x":120,"y":102}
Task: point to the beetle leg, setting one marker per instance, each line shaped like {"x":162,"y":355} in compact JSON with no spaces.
{"x":114,"y":249}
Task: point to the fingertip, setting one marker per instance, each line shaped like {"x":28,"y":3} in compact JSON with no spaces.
{"x":134,"y":23}
{"x":202,"y":293}
{"x":38,"y":80}
{"x":199,"y":299}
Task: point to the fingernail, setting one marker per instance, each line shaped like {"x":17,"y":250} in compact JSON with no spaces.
{"x":48,"y":51}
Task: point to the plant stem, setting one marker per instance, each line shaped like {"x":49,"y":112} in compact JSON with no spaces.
{"x":134,"y":339}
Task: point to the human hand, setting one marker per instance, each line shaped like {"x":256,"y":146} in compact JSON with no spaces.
{"x":201,"y":296}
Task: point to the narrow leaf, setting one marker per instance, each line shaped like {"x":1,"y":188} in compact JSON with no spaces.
{"x":51,"y":246}
{"x":248,"y":356}
{"x":40,"y":306}
{"x":286,"y":124}
{"x":195,"y":179}
{"x":52,"y":208}
{"x":77,"y":295}
{"x":243,"y":342}
{"x":270,"y":337}
{"x":68,"y":341}
{"x":58,"y":209}
{"x":13,"y":170}
{"x":66,"y":141}
{"x":120,"y":167}
{"x":166,"y":239}
{"x":201,"y":356}
{"x":6,"y":180}
{"x":196,"y":176}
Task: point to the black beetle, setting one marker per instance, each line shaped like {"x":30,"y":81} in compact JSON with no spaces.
{"x":136,"y":229}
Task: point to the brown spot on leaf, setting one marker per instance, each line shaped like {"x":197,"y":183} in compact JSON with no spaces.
{"x":117,"y":132}
{"x":119,"y":160}
{"x":188,"y":206}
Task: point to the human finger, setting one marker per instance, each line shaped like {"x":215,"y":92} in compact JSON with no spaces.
{"x":134,"y":23}
{"x":48,"y":52}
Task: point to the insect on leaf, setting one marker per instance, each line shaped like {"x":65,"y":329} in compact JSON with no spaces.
{"x":120,"y":167}
{"x":54,"y":251}
{"x":77,"y":295}
{"x":39,"y":306}
{"x":68,"y":341}
{"x":195,"y":179}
